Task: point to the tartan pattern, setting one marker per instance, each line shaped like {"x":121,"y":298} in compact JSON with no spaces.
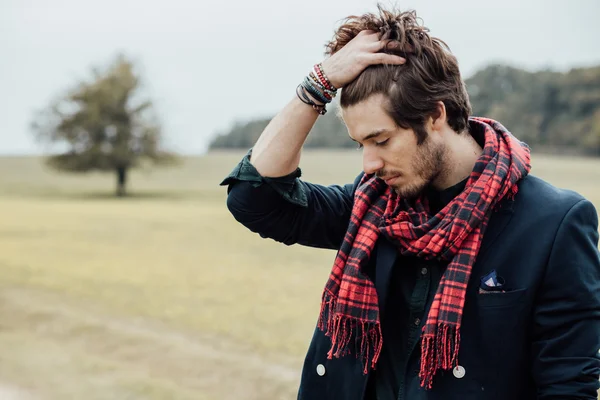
{"x":350,"y":307}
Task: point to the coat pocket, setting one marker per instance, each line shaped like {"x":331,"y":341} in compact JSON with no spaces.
{"x":501,"y":299}
{"x":501,"y":333}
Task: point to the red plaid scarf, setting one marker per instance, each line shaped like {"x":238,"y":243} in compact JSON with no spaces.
{"x":350,"y":306}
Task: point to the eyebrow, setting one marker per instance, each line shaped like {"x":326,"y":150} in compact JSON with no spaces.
{"x":373,"y":134}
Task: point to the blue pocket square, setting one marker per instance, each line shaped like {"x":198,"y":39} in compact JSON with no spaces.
{"x":491,"y":283}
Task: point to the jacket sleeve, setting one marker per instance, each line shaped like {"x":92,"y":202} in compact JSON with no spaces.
{"x":566,"y":320}
{"x":290,"y":210}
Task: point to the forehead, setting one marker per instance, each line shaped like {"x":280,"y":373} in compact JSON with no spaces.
{"x":367,"y":116}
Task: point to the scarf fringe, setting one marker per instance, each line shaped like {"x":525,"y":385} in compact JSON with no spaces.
{"x":341,"y":329}
{"x":439,"y":350}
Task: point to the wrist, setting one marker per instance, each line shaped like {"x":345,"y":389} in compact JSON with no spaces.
{"x":316,"y":89}
{"x":324,"y":80}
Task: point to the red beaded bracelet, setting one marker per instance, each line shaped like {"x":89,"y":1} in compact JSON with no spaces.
{"x":323,"y":78}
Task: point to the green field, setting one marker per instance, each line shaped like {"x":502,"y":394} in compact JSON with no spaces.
{"x":162,"y":295}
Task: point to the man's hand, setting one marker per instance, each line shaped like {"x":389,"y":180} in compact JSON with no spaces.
{"x":345,"y":65}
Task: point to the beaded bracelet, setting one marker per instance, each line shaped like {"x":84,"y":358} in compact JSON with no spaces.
{"x":319,"y":87}
{"x":330,"y":94}
{"x":315,"y":92}
{"x":318,"y":68}
{"x":300,"y":92}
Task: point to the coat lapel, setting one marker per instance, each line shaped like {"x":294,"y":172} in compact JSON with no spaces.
{"x":498,"y":221}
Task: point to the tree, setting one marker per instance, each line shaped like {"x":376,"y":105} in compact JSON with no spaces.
{"x":105,"y":125}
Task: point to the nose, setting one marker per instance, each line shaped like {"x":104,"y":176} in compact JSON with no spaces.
{"x":371,"y":161}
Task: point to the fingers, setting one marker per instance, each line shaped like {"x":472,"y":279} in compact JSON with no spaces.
{"x":382,"y":44}
{"x":383,"y":58}
{"x":367,"y":33}
{"x":367,"y":38}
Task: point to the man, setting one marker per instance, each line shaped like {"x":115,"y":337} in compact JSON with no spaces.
{"x":459,"y":275}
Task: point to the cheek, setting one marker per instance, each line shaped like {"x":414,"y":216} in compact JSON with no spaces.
{"x":400,"y":158}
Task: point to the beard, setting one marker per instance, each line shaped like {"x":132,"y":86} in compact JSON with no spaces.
{"x":428,"y":165}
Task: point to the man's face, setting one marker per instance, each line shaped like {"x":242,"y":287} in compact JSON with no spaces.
{"x":392,"y":153}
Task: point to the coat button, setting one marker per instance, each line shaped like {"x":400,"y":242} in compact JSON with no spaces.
{"x":424,"y":271}
{"x":320,"y":369}
{"x":459,"y":372}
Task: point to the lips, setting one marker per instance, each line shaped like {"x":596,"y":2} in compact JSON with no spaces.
{"x":392,"y":180}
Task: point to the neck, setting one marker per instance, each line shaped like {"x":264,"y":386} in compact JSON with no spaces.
{"x":461,"y":154}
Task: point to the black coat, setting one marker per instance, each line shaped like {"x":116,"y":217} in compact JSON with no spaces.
{"x":539,"y":340}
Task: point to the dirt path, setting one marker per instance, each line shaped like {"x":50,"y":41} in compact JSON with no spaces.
{"x":79,"y":350}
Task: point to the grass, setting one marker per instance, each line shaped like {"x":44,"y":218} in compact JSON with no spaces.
{"x":163,"y":295}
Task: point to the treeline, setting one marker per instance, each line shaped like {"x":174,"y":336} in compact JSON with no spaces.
{"x":551,"y":111}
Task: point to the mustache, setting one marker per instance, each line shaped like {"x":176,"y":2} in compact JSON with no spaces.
{"x":385,"y":174}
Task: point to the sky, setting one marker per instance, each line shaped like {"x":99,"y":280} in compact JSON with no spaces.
{"x":208,"y":64}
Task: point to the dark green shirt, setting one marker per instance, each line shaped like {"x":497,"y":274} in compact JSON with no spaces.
{"x":286,"y":186}
{"x":412,"y":288}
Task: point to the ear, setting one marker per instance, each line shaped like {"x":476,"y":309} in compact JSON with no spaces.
{"x":437,"y":120}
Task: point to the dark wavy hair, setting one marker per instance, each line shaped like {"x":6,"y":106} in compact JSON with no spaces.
{"x":430,"y":74}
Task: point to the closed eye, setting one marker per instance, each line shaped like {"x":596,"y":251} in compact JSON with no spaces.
{"x":380,"y":144}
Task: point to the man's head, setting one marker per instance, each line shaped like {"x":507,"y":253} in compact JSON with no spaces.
{"x":414,"y":106}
